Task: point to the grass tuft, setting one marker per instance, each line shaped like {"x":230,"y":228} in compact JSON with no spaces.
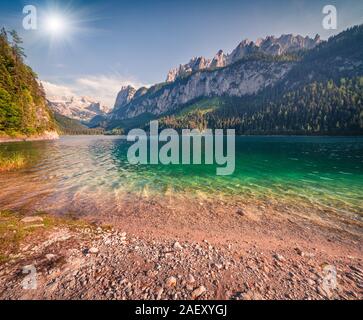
{"x":12,"y":161}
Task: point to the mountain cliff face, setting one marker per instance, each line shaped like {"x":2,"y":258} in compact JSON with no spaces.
{"x":267,"y":69}
{"x":23,"y":107}
{"x":246,"y":77}
{"x":322,"y":94}
{"x":222,"y":75}
{"x":125,"y":95}
{"x":79,"y":108}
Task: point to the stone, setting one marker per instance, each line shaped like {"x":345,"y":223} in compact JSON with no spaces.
{"x":171,"y":282}
{"x":311,"y":282}
{"x":250,"y":295}
{"x":177,"y":246}
{"x":279,"y":257}
{"x":191,"y":279}
{"x":240,"y":212}
{"x":198,"y":292}
{"x":33,"y":226}
{"x":50,"y":256}
{"x":159,"y":292}
{"x":93,"y":250}
{"x":32,"y":219}
{"x":219,"y":266}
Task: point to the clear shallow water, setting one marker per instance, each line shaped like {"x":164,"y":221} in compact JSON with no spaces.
{"x":323,"y":172}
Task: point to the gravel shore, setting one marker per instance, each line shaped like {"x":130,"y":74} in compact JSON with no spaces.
{"x":91,"y":262}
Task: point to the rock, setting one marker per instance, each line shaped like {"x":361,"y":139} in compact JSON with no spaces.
{"x":240,"y":212}
{"x":198,"y":292}
{"x":250,"y":295}
{"x":124,"y":96}
{"x":93,"y":250}
{"x":40,"y":225}
{"x":322,"y":292}
{"x":308,"y":255}
{"x":299,"y":252}
{"x":159,"y":292}
{"x":279,"y":257}
{"x":219,"y":266}
{"x":50,"y":256}
{"x":32,"y":219}
{"x":177,"y":246}
{"x":311,"y":282}
{"x":266,"y":269}
{"x":190,"y":279}
{"x":171,"y":282}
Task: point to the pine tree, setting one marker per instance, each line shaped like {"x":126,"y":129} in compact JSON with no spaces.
{"x":16,"y":45}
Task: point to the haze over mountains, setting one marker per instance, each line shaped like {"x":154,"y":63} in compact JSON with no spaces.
{"x":79,"y":108}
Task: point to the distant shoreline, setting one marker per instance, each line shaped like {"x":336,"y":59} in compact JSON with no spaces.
{"x":48,"y":135}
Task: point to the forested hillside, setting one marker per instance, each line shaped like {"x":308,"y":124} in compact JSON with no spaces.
{"x":317,"y":108}
{"x":23,"y":108}
{"x":322,"y":94}
{"x":70,"y":126}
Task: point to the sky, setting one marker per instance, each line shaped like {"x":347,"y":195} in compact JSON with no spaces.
{"x":95,"y":47}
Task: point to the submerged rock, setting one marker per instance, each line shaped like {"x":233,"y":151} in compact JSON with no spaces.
{"x":32,"y":219}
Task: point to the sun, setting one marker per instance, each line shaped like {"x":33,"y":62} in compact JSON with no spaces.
{"x":55,"y":24}
{"x":59,"y":26}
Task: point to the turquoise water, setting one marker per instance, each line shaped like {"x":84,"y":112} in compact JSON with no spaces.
{"x":324,"y":172}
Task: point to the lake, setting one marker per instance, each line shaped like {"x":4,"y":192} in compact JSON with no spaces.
{"x":91,"y":173}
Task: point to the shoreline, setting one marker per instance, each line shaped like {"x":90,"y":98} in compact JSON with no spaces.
{"x":145,"y":246}
{"x":46,"y":136}
{"x":251,"y":254}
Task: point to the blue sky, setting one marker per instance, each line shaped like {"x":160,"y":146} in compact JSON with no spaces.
{"x":112,"y":43}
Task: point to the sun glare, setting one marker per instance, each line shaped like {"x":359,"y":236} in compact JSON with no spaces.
{"x":59,"y":26}
{"x":55,"y":25}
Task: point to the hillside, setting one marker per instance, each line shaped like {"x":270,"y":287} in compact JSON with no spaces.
{"x":68,"y":126}
{"x":23,"y":107}
{"x":317,"y":90}
{"x":317,"y":108}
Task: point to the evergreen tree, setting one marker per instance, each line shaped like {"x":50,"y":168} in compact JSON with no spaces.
{"x":16,"y":44}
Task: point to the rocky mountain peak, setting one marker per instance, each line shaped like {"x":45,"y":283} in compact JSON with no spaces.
{"x":195,"y":64}
{"x":219,"y":60}
{"x":75,"y":107}
{"x":245,"y":47}
{"x":125,"y":95}
{"x":286,"y":43}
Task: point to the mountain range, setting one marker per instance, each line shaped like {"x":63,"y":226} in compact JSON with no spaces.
{"x":252,"y":82}
{"x":285,"y":85}
{"x":78,"y":108}
{"x":270,"y":45}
